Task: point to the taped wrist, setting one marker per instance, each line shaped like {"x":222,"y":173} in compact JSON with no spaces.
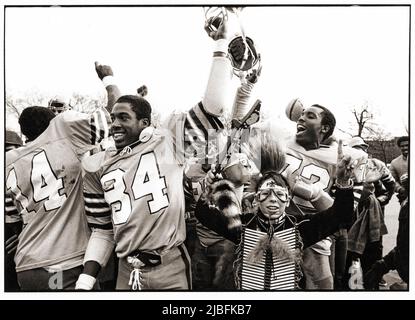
{"x":108,"y":81}
{"x":85,"y":282}
{"x":221,"y":48}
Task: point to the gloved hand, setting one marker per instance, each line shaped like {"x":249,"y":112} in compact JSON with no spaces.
{"x":217,"y":28}
{"x":372,"y":278}
{"x":253,"y":76}
{"x":320,"y":199}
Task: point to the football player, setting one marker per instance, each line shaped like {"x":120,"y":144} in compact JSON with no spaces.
{"x":142,"y":181}
{"x":13,"y":222}
{"x":311,"y":157}
{"x":44,"y":178}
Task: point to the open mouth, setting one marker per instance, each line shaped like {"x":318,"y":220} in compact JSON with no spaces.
{"x":300,"y":128}
{"x":273,"y":209}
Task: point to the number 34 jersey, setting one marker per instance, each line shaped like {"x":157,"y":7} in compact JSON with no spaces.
{"x":44,"y":178}
{"x":144,"y":187}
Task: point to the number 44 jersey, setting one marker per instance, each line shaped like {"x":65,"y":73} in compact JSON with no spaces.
{"x":143,"y":185}
{"x":45,"y":180}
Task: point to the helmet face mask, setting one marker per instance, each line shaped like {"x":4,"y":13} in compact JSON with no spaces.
{"x":243,"y":54}
{"x":57,"y":106}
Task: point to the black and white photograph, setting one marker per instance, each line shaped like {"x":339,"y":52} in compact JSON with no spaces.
{"x":206,"y":150}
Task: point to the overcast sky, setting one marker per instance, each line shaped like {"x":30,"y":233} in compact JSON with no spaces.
{"x":339,"y":57}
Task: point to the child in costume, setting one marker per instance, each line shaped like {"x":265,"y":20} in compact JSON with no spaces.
{"x":268,"y":241}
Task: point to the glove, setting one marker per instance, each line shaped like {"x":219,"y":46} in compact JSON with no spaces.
{"x":372,"y":278}
{"x":313,"y":193}
{"x":85,"y":282}
{"x":216,"y":28}
{"x":253,"y":76}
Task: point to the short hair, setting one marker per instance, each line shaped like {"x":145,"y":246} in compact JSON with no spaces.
{"x":402,"y":139}
{"x":34,"y":120}
{"x":139,"y":105}
{"x":327,"y":118}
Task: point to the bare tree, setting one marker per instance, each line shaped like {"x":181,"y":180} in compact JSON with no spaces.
{"x":363,"y":117}
{"x":381,"y":141}
{"x":16,"y":104}
{"x":86,"y":104}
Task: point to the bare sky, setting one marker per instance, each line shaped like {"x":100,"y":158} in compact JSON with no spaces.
{"x":339,"y":57}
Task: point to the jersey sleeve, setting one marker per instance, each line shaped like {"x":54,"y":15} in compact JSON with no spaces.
{"x":98,"y":211}
{"x":82,"y":130}
{"x":219,"y":81}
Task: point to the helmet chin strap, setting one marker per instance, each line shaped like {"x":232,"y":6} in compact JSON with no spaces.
{"x":145,"y":135}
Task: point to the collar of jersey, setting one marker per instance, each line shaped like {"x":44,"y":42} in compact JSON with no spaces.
{"x":127,"y":149}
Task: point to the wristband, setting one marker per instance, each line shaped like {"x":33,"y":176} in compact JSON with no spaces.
{"x":219,"y":54}
{"x":221,"y":45}
{"x":348,"y":186}
{"x":85,"y":282}
{"x":108,"y":81}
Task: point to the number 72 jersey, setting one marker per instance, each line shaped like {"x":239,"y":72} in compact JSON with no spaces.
{"x":144,"y":189}
{"x":316,"y":166}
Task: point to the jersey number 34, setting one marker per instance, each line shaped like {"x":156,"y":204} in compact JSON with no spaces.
{"x":146,"y":182}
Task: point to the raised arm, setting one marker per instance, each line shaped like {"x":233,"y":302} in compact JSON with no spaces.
{"x":106,"y":75}
{"x":214,"y":99}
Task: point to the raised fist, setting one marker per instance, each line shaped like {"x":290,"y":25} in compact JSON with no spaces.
{"x":142,"y":91}
{"x":103,"y":70}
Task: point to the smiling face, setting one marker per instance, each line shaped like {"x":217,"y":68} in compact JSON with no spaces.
{"x":310,"y":131}
{"x":272,"y":199}
{"x":404,"y":146}
{"x":126,"y":128}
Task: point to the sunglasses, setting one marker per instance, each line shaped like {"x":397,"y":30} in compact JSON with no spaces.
{"x":280,"y":193}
